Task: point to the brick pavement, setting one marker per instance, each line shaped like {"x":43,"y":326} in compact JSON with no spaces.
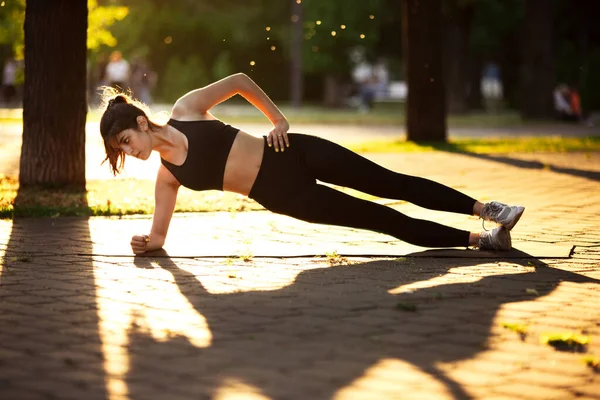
{"x":76,"y":323}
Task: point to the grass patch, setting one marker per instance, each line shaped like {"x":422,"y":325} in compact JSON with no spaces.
{"x":520,"y":329}
{"x":566,"y":341}
{"x":382,"y":114}
{"x":104,"y":198}
{"x":484,"y":145}
{"x":116,"y":198}
{"x":334,"y":258}
{"x":592,"y":361}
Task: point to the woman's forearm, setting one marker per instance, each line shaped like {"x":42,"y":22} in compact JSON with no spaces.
{"x":259,"y":99}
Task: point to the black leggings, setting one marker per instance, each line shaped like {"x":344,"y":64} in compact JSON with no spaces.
{"x":286,"y":184}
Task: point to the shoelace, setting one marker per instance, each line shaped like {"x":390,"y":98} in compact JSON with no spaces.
{"x":482,"y":217}
{"x":483,"y":224}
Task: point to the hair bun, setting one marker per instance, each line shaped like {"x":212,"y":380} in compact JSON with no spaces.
{"x":116,"y":100}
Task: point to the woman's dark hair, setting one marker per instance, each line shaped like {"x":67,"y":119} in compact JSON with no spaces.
{"x":120,"y":113}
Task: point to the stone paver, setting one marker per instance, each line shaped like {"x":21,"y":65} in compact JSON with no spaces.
{"x":79,"y":323}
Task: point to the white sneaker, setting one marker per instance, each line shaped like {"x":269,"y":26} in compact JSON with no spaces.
{"x":503,"y":214}
{"x":496,"y":239}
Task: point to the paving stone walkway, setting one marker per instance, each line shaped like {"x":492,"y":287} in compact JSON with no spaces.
{"x":80,"y":318}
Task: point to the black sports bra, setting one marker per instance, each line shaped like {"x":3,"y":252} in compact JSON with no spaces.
{"x":209,"y":143}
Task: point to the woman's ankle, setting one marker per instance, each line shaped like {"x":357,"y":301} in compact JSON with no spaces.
{"x":473,"y":239}
{"x":477,"y":207}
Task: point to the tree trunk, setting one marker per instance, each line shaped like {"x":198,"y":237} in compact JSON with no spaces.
{"x":538,"y":75}
{"x":296,"y":54}
{"x":457,"y":24}
{"x":426,"y":104}
{"x":54,"y":97}
{"x":474,"y":96}
{"x":509,"y":62}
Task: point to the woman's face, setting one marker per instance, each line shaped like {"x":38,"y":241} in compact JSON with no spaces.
{"x":135,"y":143}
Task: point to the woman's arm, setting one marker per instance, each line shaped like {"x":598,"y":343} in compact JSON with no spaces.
{"x":165,"y":197}
{"x":203,"y":99}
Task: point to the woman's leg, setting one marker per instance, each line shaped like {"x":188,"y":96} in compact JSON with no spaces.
{"x":324,"y":205}
{"x":332,"y":163}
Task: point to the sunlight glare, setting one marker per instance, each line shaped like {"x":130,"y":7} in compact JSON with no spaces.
{"x":233,"y":389}
{"x":456,"y":275}
{"x":390,"y":375}
{"x":144,"y":300}
{"x":5,"y":232}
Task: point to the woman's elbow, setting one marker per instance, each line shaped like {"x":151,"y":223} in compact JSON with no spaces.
{"x":242,"y":83}
{"x":242,"y":79}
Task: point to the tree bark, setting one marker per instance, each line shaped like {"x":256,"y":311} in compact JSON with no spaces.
{"x":54,"y":96}
{"x":510,"y":59}
{"x":426,"y":102}
{"x":456,"y":57}
{"x":474,"y":96}
{"x":538,"y":75}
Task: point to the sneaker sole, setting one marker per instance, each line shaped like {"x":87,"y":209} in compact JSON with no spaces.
{"x":516,"y":219}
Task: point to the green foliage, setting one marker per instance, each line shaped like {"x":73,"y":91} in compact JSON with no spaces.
{"x":12,"y":17}
{"x":226,"y":36}
{"x":99,"y":20}
{"x":493,"y":21}
{"x":223,"y":66}
{"x":181,"y":75}
{"x":325,"y":52}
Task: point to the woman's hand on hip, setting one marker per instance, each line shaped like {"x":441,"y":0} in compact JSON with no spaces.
{"x":278,"y":137}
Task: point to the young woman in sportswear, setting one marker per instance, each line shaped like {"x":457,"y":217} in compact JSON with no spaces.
{"x":280,"y":171}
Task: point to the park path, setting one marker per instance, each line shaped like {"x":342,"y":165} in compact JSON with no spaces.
{"x":80,"y":318}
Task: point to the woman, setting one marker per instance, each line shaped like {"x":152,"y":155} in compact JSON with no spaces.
{"x":280,"y":171}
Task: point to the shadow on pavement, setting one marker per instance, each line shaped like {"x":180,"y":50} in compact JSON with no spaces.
{"x":525,"y":164}
{"x":322,"y":332}
{"x":581,"y":173}
{"x":49,"y":341}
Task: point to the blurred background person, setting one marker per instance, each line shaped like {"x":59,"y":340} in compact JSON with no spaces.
{"x":567,"y":103}
{"x":9,"y":79}
{"x":372,"y":81}
{"x":381,"y":78}
{"x":118,"y":71}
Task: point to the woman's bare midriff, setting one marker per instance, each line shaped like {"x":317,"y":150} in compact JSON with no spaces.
{"x":243,"y":163}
